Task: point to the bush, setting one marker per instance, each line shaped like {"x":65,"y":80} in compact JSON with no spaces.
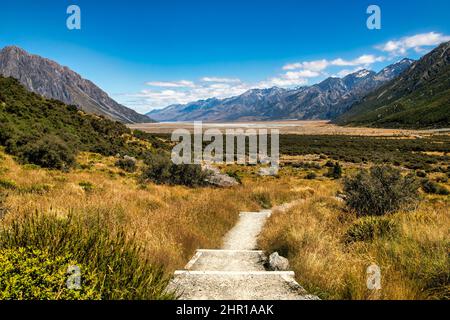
{"x":329,"y":164}
{"x":161,"y":170}
{"x":235,"y":176}
{"x":421,"y":174}
{"x":434,"y":188}
{"x":8,"y":184}
{"x":370,"y":228}
{"x":49,"y":152}
{"x":263,"y":199}
{"x":311,"y":176}
{"x":122,"y":271}
{"x":127,"y":163}
{"x":86,"y":186}
{"x":335,"y":172}
{"x":380,"y":191}
{"x":32,"y":274}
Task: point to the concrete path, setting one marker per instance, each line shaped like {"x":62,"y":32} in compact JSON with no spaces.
{"x":244,"y":235}
{"x":237,"y":272}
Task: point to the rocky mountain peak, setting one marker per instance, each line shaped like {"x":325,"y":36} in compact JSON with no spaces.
{"x":51,"y":80}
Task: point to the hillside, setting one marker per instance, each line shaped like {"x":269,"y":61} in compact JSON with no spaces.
{"x":53,"y":81}
{"x":419,"y":98}
{"x":322,"y":101}
{"x":27,"y":119}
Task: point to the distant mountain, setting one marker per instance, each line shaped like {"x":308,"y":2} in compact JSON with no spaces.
{"x":420,"y":97}
{"x":325,"y":100}
{"x":51,"y":80}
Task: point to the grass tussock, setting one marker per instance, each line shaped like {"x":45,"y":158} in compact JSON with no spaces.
{"x":113,"y":266}
{"x":330,"y":249}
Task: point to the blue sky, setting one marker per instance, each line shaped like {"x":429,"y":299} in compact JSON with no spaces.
{"x":148,"y":54}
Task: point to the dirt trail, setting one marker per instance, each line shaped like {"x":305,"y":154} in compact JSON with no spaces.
{"x":237,"y":272}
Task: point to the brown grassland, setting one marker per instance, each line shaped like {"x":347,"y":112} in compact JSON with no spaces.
{"x":170,"y":222}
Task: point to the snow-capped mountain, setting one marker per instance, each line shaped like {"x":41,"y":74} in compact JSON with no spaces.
{"x":326,"y":100}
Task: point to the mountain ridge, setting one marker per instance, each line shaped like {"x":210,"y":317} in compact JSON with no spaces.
{"x":52,"y":80}
{"x":419,"y":97}
{"x":323,"y":101}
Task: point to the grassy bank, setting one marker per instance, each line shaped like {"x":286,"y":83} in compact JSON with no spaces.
{"x":318,"y":237}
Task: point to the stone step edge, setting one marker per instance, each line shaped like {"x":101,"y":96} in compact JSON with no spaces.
{"x":237,"y":273}
{"x":200,"y":252}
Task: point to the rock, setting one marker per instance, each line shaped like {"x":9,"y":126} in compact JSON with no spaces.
{"x":278,"y":263}
{"x":341,"y":196}
{"x":219,"y":179}
{"x":271,"y":171}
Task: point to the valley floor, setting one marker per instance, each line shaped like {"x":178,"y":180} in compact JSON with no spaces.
{"x":318,"y":127}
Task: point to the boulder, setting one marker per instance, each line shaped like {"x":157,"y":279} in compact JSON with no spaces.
{"x":219,"y":179}
{"x":278,"y":263}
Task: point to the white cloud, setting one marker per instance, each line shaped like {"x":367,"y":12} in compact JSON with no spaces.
{"x":317,"y":65}
{"x":282,"y":82}
{"x":416,"y":42}
{"x":174,"y":84}
{"x":220,"y":80}
{"x":290,"y":79}
{"x":301,"y":74}
{"x":364,"y":60}
{"x":320,"y":65}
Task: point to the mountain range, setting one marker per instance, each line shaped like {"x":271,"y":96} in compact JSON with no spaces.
{"x":418,"y":98}
{"x":326,"y":100}
{"x":405,"y":94}
{"x":51,"y":80}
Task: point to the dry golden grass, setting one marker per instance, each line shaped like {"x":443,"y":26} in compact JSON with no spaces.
{"x":170,"y":223}
{"x":414,"y":264}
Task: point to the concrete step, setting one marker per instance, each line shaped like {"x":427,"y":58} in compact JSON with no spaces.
{"x":227,"y":260}
{"x":237,"y":285}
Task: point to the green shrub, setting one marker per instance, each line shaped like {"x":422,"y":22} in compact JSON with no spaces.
{"x":49,"y":152}
{"x":235,"y":176}
{"x":421,"y":174}
{"x":329,"y":164}
{"x":311,"y":176}
{"x":32,"y":274}
{"x":161,"y":170}
{"x":8,"y":184}
{"x":127,"y":163}
{"x":263,"y":199}
{"x":307,"y":165}
{"x":432,"y":187}
{"x":86,"y":186}
{"x":380,"y":191}
{"x":36,"y":189}
{"x":335,"y":172}
{"x":370,"y":228}
{"x":121,"y":268}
